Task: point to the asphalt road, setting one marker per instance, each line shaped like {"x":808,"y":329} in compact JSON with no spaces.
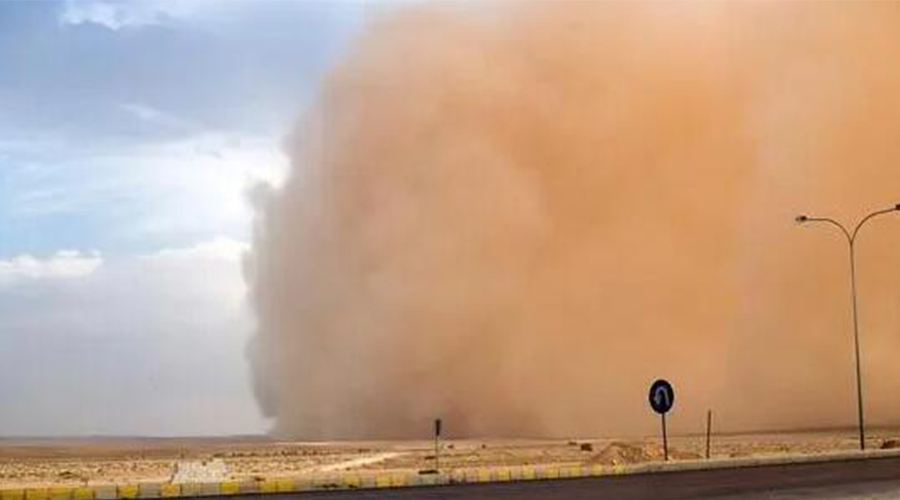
{"x":872,"y":479}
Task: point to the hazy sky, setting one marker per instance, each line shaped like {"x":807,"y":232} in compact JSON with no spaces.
{"x":129,"y":134}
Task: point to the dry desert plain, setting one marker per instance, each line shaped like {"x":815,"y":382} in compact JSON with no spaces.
{"x":30,"y":462}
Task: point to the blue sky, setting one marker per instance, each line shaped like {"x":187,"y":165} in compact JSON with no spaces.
{"x":130,"y":132}
{"x":82,"y":92}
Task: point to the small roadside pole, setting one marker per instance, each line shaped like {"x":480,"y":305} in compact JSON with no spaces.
{"x":437,"y":446}
{"x":662,"y":397}
{"x":665,"y":440}
{"x":708,"y":430}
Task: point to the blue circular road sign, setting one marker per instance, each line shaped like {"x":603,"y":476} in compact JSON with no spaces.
{"x":662,"y":396}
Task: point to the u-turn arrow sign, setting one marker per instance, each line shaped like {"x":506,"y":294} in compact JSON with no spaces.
{"x":662,"y":396}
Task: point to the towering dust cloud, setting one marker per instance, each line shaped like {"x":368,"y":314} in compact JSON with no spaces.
{"x":515,"y":216}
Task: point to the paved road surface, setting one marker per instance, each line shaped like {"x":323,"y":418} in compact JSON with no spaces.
{"x":873,"y":479}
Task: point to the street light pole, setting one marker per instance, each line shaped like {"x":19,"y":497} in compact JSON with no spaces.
{"x":851,"y":241}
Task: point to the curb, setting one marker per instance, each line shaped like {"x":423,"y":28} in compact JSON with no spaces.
{"x":362,"y":480}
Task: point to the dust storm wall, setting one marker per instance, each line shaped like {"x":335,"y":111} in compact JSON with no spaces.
{"x":516,"y":215}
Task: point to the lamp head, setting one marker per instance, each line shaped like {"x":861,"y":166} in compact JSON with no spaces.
{"x":897,"y":207}
{"x":800,"y":219}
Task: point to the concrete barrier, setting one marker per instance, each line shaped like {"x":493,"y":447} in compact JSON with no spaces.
{"x":191,"y":489}
{"x":170,"y":490}
{"x":148,"y":490}
{"x":550,"y":473}
{"x":209,"y":489}
{"x":60,"y":492}
{"x":356,"y":480}
{"x":328,"y":482}
{"x":352,"y":481}
{"x":303,"y":484}
{"x":83,"y":493}
{"x":529,"y":473}
{"x":761,"y":461}
{"x":12,"y":494}
{"x":248,"y":487}
{"x":229,"y":488}
{"x":382,"y":481}
{"x":367,"y":481}
{"x":36,"y":494}
{"x":104,"y":492}
{"x":127,"y":491}
{"x":284,"y":485}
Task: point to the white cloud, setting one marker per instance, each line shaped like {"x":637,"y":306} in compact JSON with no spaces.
{"x":151,"y":345}
{"x":225,"y":249}
{"x":118,"y":14}
{"x":200,"y":183}
{"x":65,"y":264}
{"x":155,"y":116}
{"x":180,"y":189}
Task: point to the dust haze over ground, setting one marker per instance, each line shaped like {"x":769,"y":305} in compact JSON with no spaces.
{"x":515,"y":216}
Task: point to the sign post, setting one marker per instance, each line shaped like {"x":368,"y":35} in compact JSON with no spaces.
{"x":437,"y":448}
{"x":662,"y":397}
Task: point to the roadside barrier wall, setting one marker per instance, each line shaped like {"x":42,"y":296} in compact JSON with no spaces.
{"x":371,"y":480}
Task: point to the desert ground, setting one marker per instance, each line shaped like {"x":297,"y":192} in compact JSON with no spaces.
{"x":30,"y":462}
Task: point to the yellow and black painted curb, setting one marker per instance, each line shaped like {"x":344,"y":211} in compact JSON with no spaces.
{"x":372,"y":480}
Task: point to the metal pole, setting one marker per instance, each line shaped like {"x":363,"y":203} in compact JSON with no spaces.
{"x":665,"y":439}
{"x":859,"y":396}
{"x":851,"y":240}
{"x":708,"y":430}
{"x":437,"y":451}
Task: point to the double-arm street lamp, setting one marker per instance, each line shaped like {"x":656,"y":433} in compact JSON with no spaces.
{"x":851,"y":240}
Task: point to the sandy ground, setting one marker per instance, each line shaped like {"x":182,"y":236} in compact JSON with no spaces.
{"x":39,"y":462}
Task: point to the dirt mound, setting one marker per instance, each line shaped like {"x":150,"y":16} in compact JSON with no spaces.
{"x":623,"y":453}
{"x":620,"y":453}
{"x":890,"y":444}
